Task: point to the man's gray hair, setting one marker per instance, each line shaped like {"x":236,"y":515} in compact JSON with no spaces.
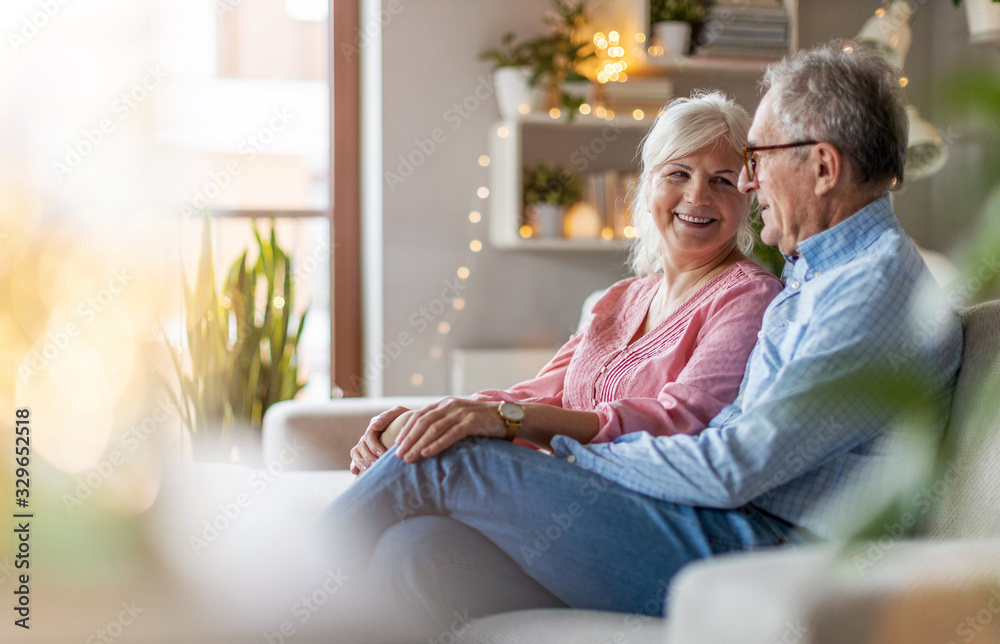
{"x":683,"y":127}
{"x":849,"y":96}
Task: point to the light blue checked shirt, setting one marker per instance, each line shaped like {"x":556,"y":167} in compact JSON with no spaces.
{"x":859,"y":332}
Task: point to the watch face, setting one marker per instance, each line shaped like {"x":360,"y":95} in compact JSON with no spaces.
{"x":512,"y":411}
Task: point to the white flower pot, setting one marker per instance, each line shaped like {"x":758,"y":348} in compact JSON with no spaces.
{"x":984,"y":20}
{"x":547,"y":219}
{"x":513,"y":92}
{"x":674,"y":37}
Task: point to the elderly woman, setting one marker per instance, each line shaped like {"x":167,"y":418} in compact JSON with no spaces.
{"x":663,"y":352}
{"x":465,"y":525}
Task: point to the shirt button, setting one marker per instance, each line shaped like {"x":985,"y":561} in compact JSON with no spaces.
{"x":571,"y":459}
{"x":796,"y":284}
{"x":760,"y":334}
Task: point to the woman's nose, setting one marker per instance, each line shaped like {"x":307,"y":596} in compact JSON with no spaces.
{"x":698,"y":192}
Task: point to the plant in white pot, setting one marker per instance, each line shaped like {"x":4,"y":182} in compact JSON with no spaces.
{"x":547,"y":193}
{"x":984,"y":19}
{"x":557,"y":57}
{"x":512,"y":76}
{"x":672,"y":20}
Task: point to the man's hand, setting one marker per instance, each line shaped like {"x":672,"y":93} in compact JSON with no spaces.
{"x":433,"y":429}
{"x":370,"y":447}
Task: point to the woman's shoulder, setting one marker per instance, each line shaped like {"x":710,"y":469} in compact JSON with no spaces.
{"x":747,"y":274}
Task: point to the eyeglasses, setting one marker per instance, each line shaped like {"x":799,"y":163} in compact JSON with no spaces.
{"x":750,"y":154}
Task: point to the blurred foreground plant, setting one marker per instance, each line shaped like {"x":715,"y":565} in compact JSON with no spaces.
{"x":241,"y":348}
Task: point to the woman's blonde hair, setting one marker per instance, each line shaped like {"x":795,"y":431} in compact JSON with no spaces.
{"x":683,"y":127}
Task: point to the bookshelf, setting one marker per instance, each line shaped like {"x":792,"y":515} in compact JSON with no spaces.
{"x":587,"y":145}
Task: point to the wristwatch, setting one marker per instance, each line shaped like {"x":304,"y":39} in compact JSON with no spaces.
{"x":512,"y":414}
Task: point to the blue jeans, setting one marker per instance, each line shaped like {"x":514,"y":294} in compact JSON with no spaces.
{"x":536,"y":531}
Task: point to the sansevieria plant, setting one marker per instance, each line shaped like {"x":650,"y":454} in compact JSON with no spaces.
{"x":241,"y":348}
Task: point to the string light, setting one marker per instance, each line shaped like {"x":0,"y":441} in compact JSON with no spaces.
{"x":475,"y":245}
{"x":444,"y":328}
{"x":483,"y":192}
{"x":484,"y":160}
{"x":525,"y":231}
{"x":474,"y":216}
{"x":584,"y":108}
{"x":638,"y":115}
{"x":503,"y":132}
{"x":462,"y":272}
{"x":417,"y":379}
{"x":458,"y":304}
{"x":555,"y":112}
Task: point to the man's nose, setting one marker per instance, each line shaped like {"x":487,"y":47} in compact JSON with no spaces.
{"x":745,"y":185}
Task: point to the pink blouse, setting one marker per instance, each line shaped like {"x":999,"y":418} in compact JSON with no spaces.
{"x":672,"y":380}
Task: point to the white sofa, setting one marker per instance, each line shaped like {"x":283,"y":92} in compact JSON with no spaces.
{"x":941,"y":587}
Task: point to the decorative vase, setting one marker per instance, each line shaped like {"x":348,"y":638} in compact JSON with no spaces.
{"x":674,"y":37}
{"x":547,"y":219}
{"x":514,"y":93}
{"x":984,"y":20}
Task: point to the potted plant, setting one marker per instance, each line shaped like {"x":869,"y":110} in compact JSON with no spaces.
{"x":557,"y":56}
{"x":512,"y":73}
{"x":984,"y":19}
{"x":241,"y":343}
{"x":547,"y":193}
{"x":672,"y":20}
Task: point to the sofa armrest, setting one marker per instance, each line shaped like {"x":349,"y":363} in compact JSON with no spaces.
{"x":916,"y":592}
{"x":324,"y":432}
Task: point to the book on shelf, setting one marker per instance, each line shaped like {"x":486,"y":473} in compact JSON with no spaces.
{"x":765,"y":4}
{"x":752,"y":53}
{"x":610,"y":192}
{"x":646,"y":94}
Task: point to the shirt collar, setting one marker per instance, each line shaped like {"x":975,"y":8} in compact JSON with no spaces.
{"x":843,"y":242}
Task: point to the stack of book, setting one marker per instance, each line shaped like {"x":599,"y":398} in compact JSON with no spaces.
{"x":756,"y":29}
{"x":646,"y":94}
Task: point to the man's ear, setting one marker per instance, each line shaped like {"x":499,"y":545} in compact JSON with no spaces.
{"x":828,"y":167}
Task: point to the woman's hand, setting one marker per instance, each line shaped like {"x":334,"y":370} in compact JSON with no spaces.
{"x":371,"y":447}
{"x":433,"y":429}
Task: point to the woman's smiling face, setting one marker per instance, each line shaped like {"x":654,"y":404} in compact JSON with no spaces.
{"x":696,"y":205}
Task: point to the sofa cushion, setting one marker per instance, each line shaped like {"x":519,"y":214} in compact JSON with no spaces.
{"x":564,"y":626}
{"x":965,"y":496}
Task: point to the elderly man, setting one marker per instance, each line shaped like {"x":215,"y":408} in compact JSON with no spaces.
{"x":858,"y":341}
